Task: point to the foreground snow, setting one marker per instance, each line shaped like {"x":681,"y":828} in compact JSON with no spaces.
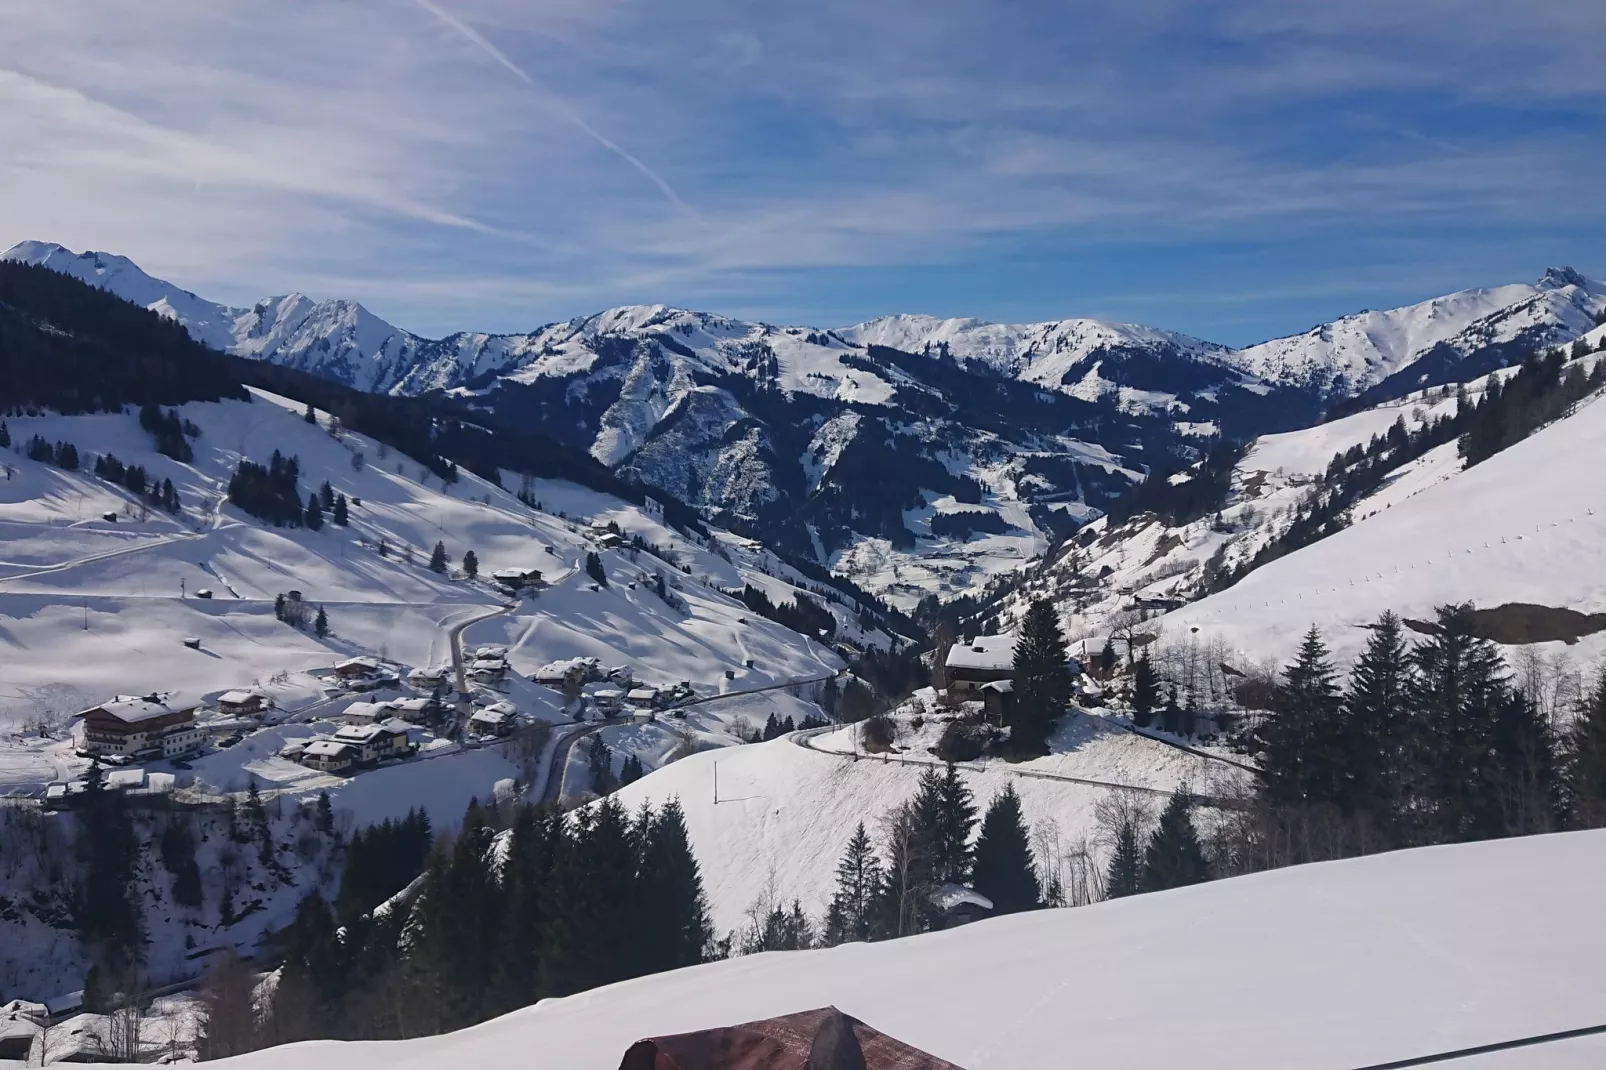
{"x":1328,"y":966}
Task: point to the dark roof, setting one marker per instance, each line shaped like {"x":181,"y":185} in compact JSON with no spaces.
{"x":784,"y":1043}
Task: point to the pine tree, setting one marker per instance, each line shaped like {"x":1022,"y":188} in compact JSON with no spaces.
{"x":471,"y":564}
{"x":1301,"y":746}
{"x":1124,"y":876}
{"x":943,"y":813}
{"x":1145,"y":692}
{"x":675,"y":920}
{"x":631,"y":771}
{"x":594,"y":568}
{"x":320,"y":624}
{"x":5,"y":436}
{"x":278,"y":607}
{"x":341,"y":516}
{"x":858,"y":875}
{"x":1379,"y":734}
{"x":311,"y":415}
{"x":1106,"y":662}
{"x":437,"y":558}
{"x":1457,"y":689}
{"x":600,"y":761}
{"x":324,"y":817}
{"x":1174,"y":857}
{"x":314,"y":515}
{"x":326,"y":496}
{"x":1584,"y":762}
{"x":1005,"y":870}
{"x":1042,"y":683}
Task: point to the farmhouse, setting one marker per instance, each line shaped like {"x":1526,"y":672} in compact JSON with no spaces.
{"x":361,"y":668}
{"x":982,"y":660}
{"x":132,"y":727}
{"x":249,"y":703}
{"x":986,"y":659}
{"x":411,"y":709}
{"x":373,"y":741}
{"x":328,"y":755}
{"x":428,"y":678}
{"x":517,"y":579}
{"x":491,"y":721}
{"x":360,"y":713}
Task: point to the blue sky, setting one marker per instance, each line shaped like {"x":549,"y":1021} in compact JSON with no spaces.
{"x":1237,"y":170}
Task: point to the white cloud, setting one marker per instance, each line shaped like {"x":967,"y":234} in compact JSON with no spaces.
{"x":491,"y":162}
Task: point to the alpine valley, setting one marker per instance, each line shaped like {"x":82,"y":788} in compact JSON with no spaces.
{"x":919,"y":457}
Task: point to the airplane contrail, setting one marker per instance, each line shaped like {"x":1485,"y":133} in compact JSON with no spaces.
{"x":553,"y":101}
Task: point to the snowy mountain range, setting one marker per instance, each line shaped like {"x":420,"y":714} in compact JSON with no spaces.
{"x":844,"y":444}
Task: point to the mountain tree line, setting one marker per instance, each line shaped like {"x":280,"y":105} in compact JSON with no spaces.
{"x":1430,"y":741}
{"x":501,"y":914}
{"x":134,"y":477}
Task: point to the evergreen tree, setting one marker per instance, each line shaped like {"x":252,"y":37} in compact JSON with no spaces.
{"x":532,"y":842}
{"x":590,"y":931}
{"x":1584,"y":769}
{"x":326,"y":496}
{"x":600,"y":761}
{"x":311,"y":416}
{"x":858,"y":876}
{"x":1458,"y":689}
{"x":1174,"y":857}
{"x":341,"y":516}
{"x":1106,"y":662}
{"x":437,"y":558}
{"x":631,"y":771}
{"x":5,"y":436}
{"x":1379,"y":734}
{"x":471,"y":564}
{"x":324,"y":814}
{"x":314,"y":515}
{"x":594,"y":568}
{"x":320,"y":623}
{"x":1301,"y":746}
{"x":675,"y":923}
{"x":1005,"y":870}
{"x":943,"y":814}
{"x":1145,"y":692}
{"x":1042,"y":684}
{"x":455,"y":929}
{"x":278,"y":607}
{"x":1124,"y":876}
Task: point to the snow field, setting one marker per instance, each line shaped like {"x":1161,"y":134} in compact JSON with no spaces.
{"x":1333,"y":965}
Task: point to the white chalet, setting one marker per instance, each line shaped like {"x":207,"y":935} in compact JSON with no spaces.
{"x":328,"y":755}
{"x":243,"y":703}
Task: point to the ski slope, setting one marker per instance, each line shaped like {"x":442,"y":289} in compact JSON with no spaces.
{"x":1526,"y":525}
{"x":1327,"y":967}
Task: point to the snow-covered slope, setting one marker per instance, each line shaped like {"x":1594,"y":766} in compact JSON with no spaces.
{"x":1360,"y":351}
{"x":1341,"y":964}
{"x":1527,"y":525}
{"x":768,"y":822}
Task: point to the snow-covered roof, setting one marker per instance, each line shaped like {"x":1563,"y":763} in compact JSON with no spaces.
{"x":132,"y":709}
{"x":608,"y":694}
{"x":362,"y":733}
{"x":125,"y":778}
{"x":491,"y":652}
{"x":360,"y":662}
{"x":328,"y":748}
{"x":502,"y":707}
{"x":1003,"y":687}
{"x":371,"y":711}
{"x":946,"y":897}
{"x":993,"y":652}
{"x":408,"y":705}
{"x":238,"y":697}
{"x":642,"y":694}
{"x":488,"y":665}
{"x":489,"y":716}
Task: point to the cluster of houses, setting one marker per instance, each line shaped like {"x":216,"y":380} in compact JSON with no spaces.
{"x":606,"y":691}
{"x":488,"y":665}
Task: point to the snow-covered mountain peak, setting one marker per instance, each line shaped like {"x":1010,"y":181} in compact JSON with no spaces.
{"x":1557,"y":278}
